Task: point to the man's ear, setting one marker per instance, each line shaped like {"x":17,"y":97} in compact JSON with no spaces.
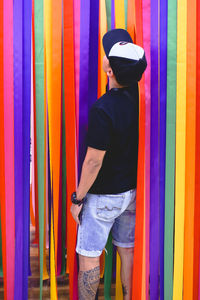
{"x":110,"y":72}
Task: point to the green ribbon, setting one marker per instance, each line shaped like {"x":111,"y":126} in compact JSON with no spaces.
{"x":170,"y":149}
{"x":126,"y":12}
{"x":109,"y":245}
{"x":39,"y":82}
{"x":108,"y":13}
{"x":108,"y":268}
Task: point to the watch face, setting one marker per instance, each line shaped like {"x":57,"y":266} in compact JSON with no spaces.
{"x":73,"y":197}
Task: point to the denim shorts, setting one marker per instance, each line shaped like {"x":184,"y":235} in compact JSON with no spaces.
{"x":102,"y":214}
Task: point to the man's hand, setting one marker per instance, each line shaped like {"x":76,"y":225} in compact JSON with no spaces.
{"x":75,"y":211}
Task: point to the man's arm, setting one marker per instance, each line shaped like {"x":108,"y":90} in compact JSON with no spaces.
{"x":90,"y":169}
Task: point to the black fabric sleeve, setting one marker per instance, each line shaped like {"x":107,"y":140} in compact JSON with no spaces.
{"x":99,"y":129}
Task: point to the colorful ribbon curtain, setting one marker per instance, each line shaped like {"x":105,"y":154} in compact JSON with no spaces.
{"x":66,"y":56}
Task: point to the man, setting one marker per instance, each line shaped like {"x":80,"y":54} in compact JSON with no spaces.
{"x":109,"y":173}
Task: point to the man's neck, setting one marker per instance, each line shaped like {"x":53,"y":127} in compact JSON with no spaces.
{"x":113,"y":84}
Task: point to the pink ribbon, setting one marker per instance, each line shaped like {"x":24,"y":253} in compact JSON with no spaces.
{"x":9,"y":144}
{"x":147,"y":47}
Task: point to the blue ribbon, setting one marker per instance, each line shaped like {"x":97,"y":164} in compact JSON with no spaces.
{"x":22,"y":97}
{"x":84,"y":74}
{"x":93,"y":52}
{"x":27,"y":15}
{"x":154,"y":159}
{"x":163,"y":97}
{"x":112,"y":14}
{"x":89,"y":26}
{"x":18,"y":145}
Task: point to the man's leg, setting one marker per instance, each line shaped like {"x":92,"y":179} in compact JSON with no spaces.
{"x":126,"y":255}
{"x":88,"y":277}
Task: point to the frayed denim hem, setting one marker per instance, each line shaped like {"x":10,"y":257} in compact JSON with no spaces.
{"x":88,"y":253}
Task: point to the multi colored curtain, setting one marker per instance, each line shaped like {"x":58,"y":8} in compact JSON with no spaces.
{"x":50,"y":75}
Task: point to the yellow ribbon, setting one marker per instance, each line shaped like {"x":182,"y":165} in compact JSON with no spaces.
{"x":119,"y":14}
{"x":180,"y":149}
{"x":45,"y":273}
{"x":103,"y":29}
{"x":49,"y":73}
{"x":53,"y":289}
{"x":119,"y":293}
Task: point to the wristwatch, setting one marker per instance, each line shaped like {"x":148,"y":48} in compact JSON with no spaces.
{"x":75,"y":201}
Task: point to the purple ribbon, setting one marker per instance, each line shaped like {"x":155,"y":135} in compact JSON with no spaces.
{"x":93,"y":52}
{"x":84,"y":74}
{"x":89,"y":26}
{"x":27,"y":15}
{"x":163,"y":96}
{"x":22,"y":97}
{"x":18,"y":145}
{"x":154,"y":160}
{"x":112,"y":14}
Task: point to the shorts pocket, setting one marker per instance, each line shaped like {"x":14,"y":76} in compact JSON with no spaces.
{"x":109,"y":207}
{"x":132,"y":204}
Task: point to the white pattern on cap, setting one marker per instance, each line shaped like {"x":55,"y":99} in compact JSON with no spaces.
{"x":126,"y":50}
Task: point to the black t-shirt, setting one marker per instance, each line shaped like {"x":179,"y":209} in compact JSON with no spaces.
{"x":113,"y":126}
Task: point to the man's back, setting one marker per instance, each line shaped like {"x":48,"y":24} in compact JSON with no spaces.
{"x":113,"y":126}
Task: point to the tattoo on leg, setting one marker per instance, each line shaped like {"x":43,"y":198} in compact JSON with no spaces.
{"x":88,"y":282}
{"x":125,"y":292}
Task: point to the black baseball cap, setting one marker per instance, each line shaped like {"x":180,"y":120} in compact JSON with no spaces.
{"x":127,"y":59}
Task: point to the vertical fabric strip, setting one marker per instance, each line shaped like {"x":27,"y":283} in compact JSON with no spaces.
{"x":154,"y":160}
{"x":45,"y":240}
{"x":84,"y":73}
{"x":49,"y":58}
{"x":55,"y":109}
{"x":147,"y":47}
{"x":69,"y":77}
{"x":108,"y":269}
{"x":118,"y":292}
{"x":108,"y":14}
{"x":139,"y":226}
{"x":190,"y":152}
{"x":131,"y":19}
{"x":64,"y":184}
{"x":93,"y":50}
{"x":18,"y":143}
{"x":35,"y":182}
{"x":39,"y":90}
{"x":170,"y":149}
{"x":27,"y":13}
{"x":119,"y":23}
{"x":2,"y":153}
{"x":102,"y":31}
{"x":112,"y":14}
{"x":196,"y":285}
{"x":76,"y":13}
{"x":1,"y":263}
{"x":119,"y":14}
{"x":53,"y":289}
{"x":59,"y":250}
{"x":109,"y":246}
{"x":126,"y":12}
{"x":9,"y":144}
{"x":162,"y":133}
{"x":180,"y":149}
